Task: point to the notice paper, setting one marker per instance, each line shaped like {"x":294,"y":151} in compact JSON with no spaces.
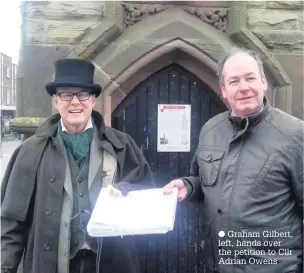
{"x":140,"y":212}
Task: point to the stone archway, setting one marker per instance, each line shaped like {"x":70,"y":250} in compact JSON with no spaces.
{"x":137,"y":116}
{"x":174,"y":52}
{"x":154,"y":43}
{"x":126,"y":52}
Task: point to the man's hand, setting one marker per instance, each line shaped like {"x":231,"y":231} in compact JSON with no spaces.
{"x":181,"y":187}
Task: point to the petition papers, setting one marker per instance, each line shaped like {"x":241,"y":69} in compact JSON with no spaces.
{"x":140,"y":212}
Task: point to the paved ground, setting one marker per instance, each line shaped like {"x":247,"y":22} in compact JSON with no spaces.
{"x":7,"y":147}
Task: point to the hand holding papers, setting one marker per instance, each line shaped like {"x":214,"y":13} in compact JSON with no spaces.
{"x":140,"y":212}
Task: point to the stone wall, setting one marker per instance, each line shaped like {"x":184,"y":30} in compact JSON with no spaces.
{"x":279,"y":26}
{"x":58,"y":22}
{"x":51,"y":30}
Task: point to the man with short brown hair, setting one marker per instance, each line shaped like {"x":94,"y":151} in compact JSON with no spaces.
{"x":248,"y":171}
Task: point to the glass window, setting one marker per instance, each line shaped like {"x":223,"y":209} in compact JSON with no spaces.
{"x":8,"y":72}
{"x":8,"y":95}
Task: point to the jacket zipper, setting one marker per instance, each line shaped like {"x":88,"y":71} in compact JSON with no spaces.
{"x":236,"y":179}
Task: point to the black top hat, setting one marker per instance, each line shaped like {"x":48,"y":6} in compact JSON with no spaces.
{"x":73,"y":73}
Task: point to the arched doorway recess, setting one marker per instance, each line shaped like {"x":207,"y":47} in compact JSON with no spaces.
{"x":181,"y":249}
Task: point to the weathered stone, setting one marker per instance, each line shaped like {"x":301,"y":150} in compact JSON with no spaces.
{"x":36,"y":68}
{"x":301,"y":21}
{"x":272,"y":19}
{"x":97,"y":39}
{"x":32,"y":31}
{"x":276,"y":25}
{"x":63,"y":9}
{"x":291,"y":62}
{"x":280,"y":39}
{"x":284,"y":4}
{"x":139,"y":43}
{"x":198,"y":3}
{"x":153,"y":32}
{"x":215,"y":17}
{"x":255,"y":4}
{"x":56,"y":31}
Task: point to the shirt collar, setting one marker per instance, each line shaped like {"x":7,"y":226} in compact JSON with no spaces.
{"x":88,"y":126}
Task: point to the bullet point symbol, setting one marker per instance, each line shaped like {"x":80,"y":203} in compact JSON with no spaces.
{"x":221,"y":233}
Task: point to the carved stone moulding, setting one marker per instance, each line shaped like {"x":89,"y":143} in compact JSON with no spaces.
{"x":215,"y":17}
{"x":134,"y":13}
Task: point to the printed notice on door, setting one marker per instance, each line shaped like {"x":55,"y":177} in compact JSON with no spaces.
{"x":173,"y":128}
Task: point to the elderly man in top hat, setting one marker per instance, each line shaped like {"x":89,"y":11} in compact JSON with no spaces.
{"x":53,"y":180}
{"x":248,"y":171}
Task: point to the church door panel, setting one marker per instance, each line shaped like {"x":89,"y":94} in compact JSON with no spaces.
{"x":180,"y":251}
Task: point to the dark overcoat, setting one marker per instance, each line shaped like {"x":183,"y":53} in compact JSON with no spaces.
{"x":34,"y":181}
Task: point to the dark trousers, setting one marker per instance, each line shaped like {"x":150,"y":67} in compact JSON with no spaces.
{"x":83,"y":262}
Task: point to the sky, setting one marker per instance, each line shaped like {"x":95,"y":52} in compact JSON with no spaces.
{"x":10,"y":23}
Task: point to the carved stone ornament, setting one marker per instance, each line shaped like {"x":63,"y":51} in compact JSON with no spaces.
{"x":134,"y":13}
{"x":214,"y":17}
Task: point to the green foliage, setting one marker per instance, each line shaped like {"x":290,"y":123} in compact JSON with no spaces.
{"x":27,"y":122}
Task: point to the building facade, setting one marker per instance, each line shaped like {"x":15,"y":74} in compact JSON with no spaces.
{"x":8,"y":89}
{"x":166,"y":52}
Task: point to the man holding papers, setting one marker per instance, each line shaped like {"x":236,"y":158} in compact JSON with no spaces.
{"x":248,"y":171}
{"x":140,"y":212}
{"x":54,"y":178}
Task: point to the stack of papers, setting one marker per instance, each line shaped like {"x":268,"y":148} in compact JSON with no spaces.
{"x":140,"y":212}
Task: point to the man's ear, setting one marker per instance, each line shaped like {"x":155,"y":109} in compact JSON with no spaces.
{"x":54,"y":102}
{"x":94,"y":100}
{"x":265,"y":83}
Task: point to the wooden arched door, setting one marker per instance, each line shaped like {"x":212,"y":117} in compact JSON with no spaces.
{"x":180,"y":251}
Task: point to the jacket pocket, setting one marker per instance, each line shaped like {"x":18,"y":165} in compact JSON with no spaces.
{"x":209,"y":163}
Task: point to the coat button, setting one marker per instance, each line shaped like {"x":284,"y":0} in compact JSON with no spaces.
{"x":79,"y":180}
{"x":65,"y":223}
{"x":82,"y":226}
{"x":219,"y":212}
{"x":48,"y":212}
{"x":52,"y":178}
{"x":46,"y":247}
{"x":82,"y":210}
{"x":80,"y":194}
{"x":209,"y":157}
{"x":103,"y":173}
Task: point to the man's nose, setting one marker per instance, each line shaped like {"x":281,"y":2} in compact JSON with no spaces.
{"x":243,"y":85}
{"x":75,"y":99}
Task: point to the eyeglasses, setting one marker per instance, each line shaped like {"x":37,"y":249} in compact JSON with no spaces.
{"x":68,"y":96}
